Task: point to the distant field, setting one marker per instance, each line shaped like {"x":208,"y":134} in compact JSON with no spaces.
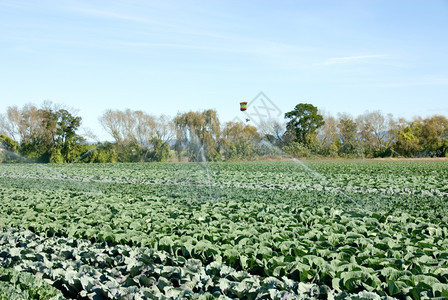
{"x":268,"y":230}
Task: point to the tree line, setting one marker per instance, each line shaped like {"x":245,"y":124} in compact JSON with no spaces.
{"x":50,"y":133}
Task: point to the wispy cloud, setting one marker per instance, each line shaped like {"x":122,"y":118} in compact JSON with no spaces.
{"x":350,"y":59}
{"x":425,"y":81}
{"x":117,"y":16}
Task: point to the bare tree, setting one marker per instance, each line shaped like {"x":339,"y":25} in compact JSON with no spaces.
{"x":146,"y":134}
{"x":328,"y":135}
{"x":6,"y":128}
{"x":23,"y":125}
{"x":273,"y":130}
{"x":164,"y":129}
{"x":111,"y":120}
{"x":374,"y":130}
{"x":136,"y":126}
{"x":199,"y":133}
{"x":143,"y":128}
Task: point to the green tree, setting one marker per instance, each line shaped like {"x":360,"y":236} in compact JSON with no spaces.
{"x":304,"y":122}
{"x":65,"y":138}
{"x":8,"y":149}
{"x":39,"y":130}
{"x":131,"y":152}
{"x":407,"y":143}
{"x":8,"y":143}
{"x":405,"y":137}
{"x":297,"y":149}
{"x":101,"y":153}
{"x":66,"y":126}
{"x":434,"y":133}
{"x":160,"y":150}
{"x":56,"y":155}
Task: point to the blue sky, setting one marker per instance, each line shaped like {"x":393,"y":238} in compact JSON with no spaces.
{"x":167,"y":57}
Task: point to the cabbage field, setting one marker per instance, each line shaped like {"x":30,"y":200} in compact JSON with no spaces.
{"x":252,"y":230}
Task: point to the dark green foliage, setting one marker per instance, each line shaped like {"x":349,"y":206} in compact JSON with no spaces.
{"x":131,"y":152}
{"x":66,"y":126}
{"x":101,"y":153}
{"x":297,"y":149}
{"x":56,"y":155}
{"x":35,"y":151}
{"x":160,"y":151}
{"x":8,"y":149}
{"x":8,"y":143}
{"x":304,"y":121}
